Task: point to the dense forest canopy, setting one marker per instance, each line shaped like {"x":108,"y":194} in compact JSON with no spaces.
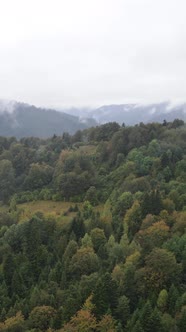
{"x":113,"y":256}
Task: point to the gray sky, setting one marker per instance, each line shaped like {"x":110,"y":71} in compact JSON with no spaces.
{"x":91,"y":52}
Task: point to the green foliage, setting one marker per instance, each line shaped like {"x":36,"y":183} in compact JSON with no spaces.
{"x":116,"y":261}
{"x":162,"y":300}
{"x":123,"y":309}
{"x":8,"y":271}
{"x":7,"y":180}
{"x":41,"y":317}
{"x":39,"y":176}
{"x":105,"y":295}
{"x":133,"y":219}
{"x":83,"y":262}
{"x":123,"y":204}
{"x":91,"y":196}
{"x":98,"y":238}
{"x":182,"y":320}
{"x":151,"y":203}
{"x":162,"y":268}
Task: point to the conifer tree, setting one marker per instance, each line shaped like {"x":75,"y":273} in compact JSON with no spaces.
{"x":145,"y":318}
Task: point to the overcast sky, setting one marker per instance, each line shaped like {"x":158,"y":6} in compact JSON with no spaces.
{"x":92,"y":52}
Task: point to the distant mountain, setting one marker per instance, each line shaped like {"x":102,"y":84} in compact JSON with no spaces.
{"x":132,"y":114}
{"x":23,"y":120}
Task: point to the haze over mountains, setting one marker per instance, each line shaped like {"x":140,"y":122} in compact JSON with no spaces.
{"x":23,"y":120}
{"x":132,"y":114}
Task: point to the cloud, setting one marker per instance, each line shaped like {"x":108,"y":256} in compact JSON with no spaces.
{"x":90,"y":52}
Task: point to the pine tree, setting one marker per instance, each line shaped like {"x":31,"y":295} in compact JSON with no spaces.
{"x":78,"y":227}
{"x":105,"y":295}
{"x":137,"y":327}
{"x":182,"y":321}
{"x":155,"y":318}
{"x":156,"y":202}
{"x":173,"y":296}
{"x":123,"y":309}
{"x":17,"y":285}
{"x":146,"y":205}
{"x":8,"y":270}
{"x":145,"y":318}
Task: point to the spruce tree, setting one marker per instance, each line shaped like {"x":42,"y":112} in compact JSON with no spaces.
{"x":155,"y":318}
{"x":145,"y":318}
{"x":137,"y":327}
{"x":105,"y":296}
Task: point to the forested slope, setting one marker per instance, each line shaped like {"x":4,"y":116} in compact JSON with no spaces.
{"x":115,"y":258}
{"x":23,"y":120}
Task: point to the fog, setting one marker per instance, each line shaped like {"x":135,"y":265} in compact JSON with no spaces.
{"x":89,"y":53}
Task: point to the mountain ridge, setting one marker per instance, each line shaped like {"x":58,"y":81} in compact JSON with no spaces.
{"x":133,"y":113}
{"x":24,"y":120}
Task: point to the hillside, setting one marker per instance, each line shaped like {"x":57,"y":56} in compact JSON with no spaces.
{"x":93,"y":230}
{"x":22,"y":120}
{"x":132,"y":114}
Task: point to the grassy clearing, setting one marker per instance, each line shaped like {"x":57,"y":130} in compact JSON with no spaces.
{"x":88,"y":149}
{"x":57,"y":210}
{"x":48,"y":208}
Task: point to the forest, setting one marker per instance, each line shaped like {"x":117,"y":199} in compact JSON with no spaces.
{"x":93,"y":230}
